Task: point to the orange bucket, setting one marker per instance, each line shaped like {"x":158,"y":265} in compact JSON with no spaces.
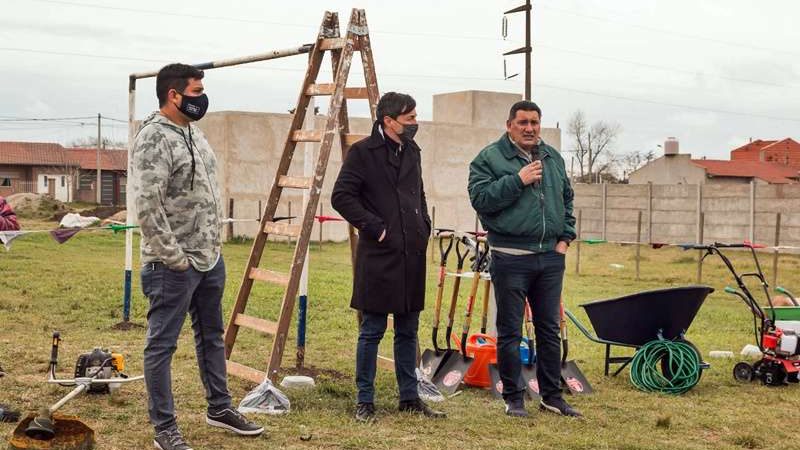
{"x":483,"y":348}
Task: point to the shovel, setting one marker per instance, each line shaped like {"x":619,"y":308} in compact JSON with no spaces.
{"x":571,"y":376}
{"x":456,"y":286}
{"x":529,"y":369}
{"x":433,"y":359}
{"x":528,"y":372}
{"x":487,"y":288}
{"x":452,"y":372}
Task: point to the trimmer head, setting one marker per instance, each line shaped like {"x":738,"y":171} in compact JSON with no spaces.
{"x":41,"y":427}
{"x":66,"y":433}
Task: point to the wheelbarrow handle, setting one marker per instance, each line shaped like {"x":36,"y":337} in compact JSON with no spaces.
{"x":589,"y":334}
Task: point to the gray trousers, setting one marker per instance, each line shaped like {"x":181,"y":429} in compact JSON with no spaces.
{"x":172,"y":294}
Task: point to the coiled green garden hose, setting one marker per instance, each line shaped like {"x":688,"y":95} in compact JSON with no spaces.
{"x":670,"y":367}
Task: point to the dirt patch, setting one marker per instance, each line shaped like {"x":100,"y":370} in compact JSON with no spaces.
{"x":126,"y":326}
{"x":315,"y":373}
{"x":36,"y":206}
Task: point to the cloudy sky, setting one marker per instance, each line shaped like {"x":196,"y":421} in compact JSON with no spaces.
{"x":712,"y":73}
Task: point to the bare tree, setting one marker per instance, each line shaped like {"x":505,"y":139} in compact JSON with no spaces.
{"x":632,"y":161}
{"x":592,"y":144}
{"x":91,"y":142}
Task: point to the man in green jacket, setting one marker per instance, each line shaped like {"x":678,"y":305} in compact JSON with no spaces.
{"x":520,"y":190}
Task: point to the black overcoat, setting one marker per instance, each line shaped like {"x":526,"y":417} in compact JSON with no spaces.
{"x":374,"y":194}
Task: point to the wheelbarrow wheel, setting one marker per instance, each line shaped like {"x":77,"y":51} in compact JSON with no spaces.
{"x":743,"y":372}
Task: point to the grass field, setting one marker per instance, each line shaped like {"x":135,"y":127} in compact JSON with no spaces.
{"x":76,"y":288}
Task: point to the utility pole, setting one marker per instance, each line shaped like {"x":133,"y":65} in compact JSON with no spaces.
{"x":527,"y":49}
{"x":99,"y":181}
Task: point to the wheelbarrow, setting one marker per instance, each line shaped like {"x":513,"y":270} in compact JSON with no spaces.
{"x":634,"y":320}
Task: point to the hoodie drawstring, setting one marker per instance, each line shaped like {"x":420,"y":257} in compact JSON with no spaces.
{"x":189,"y":144}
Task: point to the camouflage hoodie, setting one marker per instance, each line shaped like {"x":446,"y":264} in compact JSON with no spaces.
{"x":177,"y":195}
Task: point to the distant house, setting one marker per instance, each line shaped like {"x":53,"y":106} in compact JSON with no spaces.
{"x":677,"y":168}
{"x":38,"y":167}
{"x":65,"y":174}
{"x":113,"y":172}
{"x":786,"y":152}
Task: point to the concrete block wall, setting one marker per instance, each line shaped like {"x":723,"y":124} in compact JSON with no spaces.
{"x":731,"y":213}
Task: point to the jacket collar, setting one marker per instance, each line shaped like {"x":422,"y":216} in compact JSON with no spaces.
{"x":510,"y":151}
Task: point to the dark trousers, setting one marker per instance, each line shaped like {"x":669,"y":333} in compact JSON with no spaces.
{"x":173,"y":294}
{"x":538,"y":278}
{"x":373,"y":326}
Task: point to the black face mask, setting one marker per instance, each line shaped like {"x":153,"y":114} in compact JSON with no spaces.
{"x":409,"y":131}
{"x":194,"y":107}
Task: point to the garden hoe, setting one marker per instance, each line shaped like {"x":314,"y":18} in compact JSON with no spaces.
{"x":433,"y":359}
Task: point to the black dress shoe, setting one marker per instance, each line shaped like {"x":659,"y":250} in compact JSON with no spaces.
{"x":365,"y":412}
{"x":418,"y":406}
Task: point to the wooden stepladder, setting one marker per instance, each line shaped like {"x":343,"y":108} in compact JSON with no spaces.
{"x":336,"y":124}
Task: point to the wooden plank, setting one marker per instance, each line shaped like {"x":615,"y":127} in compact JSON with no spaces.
{"x":282,"y":229}
{"x":332,"y":43}
{"x":255,"y":323}
{"x":385,"y":363}
{"x":269,"y":276}
{"x":295,"y":182}
{"x":328,"y":88}
{"x":350,"y":138}
{"x":307,"y":136}
{"x":248,"y":373}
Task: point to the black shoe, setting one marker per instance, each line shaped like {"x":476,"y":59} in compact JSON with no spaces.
{"x":170,"y":440}
{"x":516,"y":408}
{"x":233,"y":420}
{"x":558,"y":406}
{"x":418,"y":406}
{"x":365,"y":412}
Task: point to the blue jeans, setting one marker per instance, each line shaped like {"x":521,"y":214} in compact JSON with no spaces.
{"x":538,"y":278}
{"x":172,"y":294}
{"x":373,"y":326}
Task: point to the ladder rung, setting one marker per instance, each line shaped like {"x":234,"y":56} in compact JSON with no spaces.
{"x":254,"y":323}
{"x":307,"y":136}
{"x":332,"y":43}
{"x":282,"y":229}
{"x":328,"y":88}
{"x":385,"y":363}
{"x":294,"y":182}
{"x":248,"y":373}
{"x":350,"y":139}
{"x":269,"y":276}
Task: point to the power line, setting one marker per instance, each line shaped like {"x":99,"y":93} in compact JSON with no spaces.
{"x":256,"y":21}
{"x":41,"y":119}
{"x":438,"y":76}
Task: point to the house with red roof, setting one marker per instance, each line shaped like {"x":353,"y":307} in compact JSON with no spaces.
{"x":65,"y":174}
{"x":113,"y":173}
{"x":785,"y":152}
{"x":771,"y":162}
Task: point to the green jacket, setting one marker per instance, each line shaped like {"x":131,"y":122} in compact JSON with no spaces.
{"x":533,"y":217}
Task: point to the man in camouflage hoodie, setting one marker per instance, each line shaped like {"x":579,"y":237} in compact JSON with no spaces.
{"x":174,"y":182}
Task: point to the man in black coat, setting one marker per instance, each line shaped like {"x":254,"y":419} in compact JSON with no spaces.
{"x":379,"y":191}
